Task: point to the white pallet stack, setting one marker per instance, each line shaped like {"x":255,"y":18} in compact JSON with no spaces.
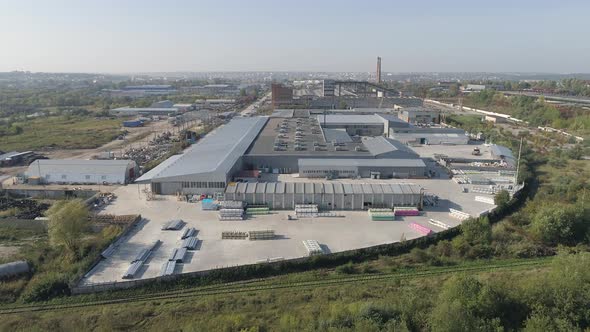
{"x":484,"y":199}
{"x":313,"y":247}
{"x":231,"y":204}
{"x":231,"y":214}
{"x":459,"y":214}
{"x":439,"y":223}
{"x":306,"y":210}
{"x":267,"y":234}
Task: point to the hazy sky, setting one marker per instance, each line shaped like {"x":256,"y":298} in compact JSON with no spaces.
{"x":319,"y":35}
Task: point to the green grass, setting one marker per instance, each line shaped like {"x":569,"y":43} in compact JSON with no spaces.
{"x":64,"y":132}
{"x":275,"y":308}
{"x":12,"y":230}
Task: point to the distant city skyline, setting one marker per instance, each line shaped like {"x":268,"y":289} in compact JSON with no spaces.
{"x":307,"y":36}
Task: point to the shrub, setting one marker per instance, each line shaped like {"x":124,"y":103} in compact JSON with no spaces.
{"x":347,"y":268}
{"x":45,"y":286}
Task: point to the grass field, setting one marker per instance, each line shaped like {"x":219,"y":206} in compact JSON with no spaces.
{"x":64,"y":132}
{"x":308,"y":301}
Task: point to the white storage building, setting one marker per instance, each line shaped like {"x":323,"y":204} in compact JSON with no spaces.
{"x":327,"y":195}
{"x":70,"y":171}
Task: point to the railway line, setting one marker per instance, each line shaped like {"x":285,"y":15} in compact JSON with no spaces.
{"x":259,"y":285}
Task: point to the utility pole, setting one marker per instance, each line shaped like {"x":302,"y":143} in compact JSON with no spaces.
{"x":518,"y":162}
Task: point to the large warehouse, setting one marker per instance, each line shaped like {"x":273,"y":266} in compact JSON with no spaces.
{"x":327,"y":195}
{"x":284,"y":145}
{"x":209,"y":165}
{"x":75,"y":171}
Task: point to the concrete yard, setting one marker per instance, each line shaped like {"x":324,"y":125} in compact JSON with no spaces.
{"x":351,"y":231}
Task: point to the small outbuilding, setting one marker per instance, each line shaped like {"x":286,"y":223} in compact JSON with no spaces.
{"x":75,"y":171}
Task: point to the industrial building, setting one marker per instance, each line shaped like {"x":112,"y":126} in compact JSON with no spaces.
{"x":286,"y":145}
{"x":143,"y":90}
{"x":429,"y":135}
{"x":15,"y":158}
{"x":134,"y":111}
{"x":419,"y":115}
{"x":327,"y":195}
{"x":209,"y":165}
{"x":74,"y":171}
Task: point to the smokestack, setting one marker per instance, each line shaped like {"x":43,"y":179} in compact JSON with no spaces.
{"x":378,"y":69}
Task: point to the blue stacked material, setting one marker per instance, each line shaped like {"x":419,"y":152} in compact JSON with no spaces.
{"x":173,"y":225}
{"x":209,"y":204}
{"x":188,"y":232}
{"x":132,"y":270}
{"x":168,"y":268}
{"x":190,"y":243}
{"x":133,"y":123}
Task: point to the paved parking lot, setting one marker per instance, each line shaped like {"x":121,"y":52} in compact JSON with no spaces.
{"x":352,"y":230}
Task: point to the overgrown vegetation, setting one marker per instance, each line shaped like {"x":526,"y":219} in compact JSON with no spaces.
{"x":57,"y":257}
{"x":66,"y":132}
{"x":534,"y":110}
{"x":546,"y":299}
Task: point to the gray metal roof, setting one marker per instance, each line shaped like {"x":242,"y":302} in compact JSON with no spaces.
{"x":499,"y":150}
{"x":337,"y":135}
{"x":380,"y":145}
{"x":216,"y":153}
{"x":13,"y":154}
{"x":350,"y":119}
{"x":79,"y":166}
{"x":311,"y":162}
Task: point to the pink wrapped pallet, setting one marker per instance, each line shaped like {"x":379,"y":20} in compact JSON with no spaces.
{"x":407,"y":212}
{"x":421,"y":229}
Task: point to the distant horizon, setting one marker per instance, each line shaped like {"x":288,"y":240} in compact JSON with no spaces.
{"x":149,"y":36}
{"x":293,"y":71}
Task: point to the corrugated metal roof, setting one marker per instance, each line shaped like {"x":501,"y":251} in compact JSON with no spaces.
{"x":216,"y":153}
{"x":312,"y":162}
{"x":336,"y":135}
{"x":350,"y":119}
{"x":79,"y":166}
{"x":499,"y":150}
{"x":327,"y":188}
{"x":380,"y":145}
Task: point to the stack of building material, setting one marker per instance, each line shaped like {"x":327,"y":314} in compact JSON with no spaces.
{"x":173,"y":225}
{"x":459,"y":214}
{"x":109,"y":251}
{"x":133,"y":269}
{"x":234,"y":235}
{"x":177,"y":255}
{"x":209,"y":204}
{"x":313,"y":247}
{"x":261,"y":235}
{"x":143,"y":255}
{"x":483,"y":190}
{"x":190,"y":243}
{"x":306,"y":210}
{"x":484,"y":199}
{"x":231,"y":214}
{"x":231,"y":204}
{"x":406,"y":211}
{"x":257,"y":210}
{"x":188,"y":232}
{"x":381,"y":214}
{"x":168,"y":268}
{"x":421,"y":229}
{"x":439,"y":223}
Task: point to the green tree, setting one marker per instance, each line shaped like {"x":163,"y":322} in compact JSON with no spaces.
{"x":68,"y":220}
{"x":502,"y":198}
{"x":465,"y":304}
{"x":560,"y":224}
{"x":477,"y":231}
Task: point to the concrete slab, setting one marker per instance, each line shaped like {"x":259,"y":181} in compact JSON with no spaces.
{"x":351,"y":231}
